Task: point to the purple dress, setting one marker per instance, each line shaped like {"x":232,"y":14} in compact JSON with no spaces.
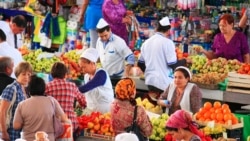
{"x":236,"y":48}
{"x":113,"y":14}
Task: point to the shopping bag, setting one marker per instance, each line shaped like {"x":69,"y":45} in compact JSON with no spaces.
{"x":68,"y":132}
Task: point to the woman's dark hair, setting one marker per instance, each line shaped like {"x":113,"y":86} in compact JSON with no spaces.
{"x":2,"y":35}
{"x":59,"y":70}
{"x":185,"y":73}
{"x":101,"y":30}
{"x":161,"y":28}
{"x":36,"y":86}
{"x":171,"y":129}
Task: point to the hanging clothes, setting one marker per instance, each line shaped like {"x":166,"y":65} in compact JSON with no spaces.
{"x":187,"y":4}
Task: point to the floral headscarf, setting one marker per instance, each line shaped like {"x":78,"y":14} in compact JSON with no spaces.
{"x":125,"y":89}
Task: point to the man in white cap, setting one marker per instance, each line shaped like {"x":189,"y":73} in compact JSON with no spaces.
{"x":115,"y":56}
{"x":97,"y":88}
{"x":158,"y":59}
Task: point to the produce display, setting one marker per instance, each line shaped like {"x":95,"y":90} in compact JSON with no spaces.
{"x":244,"y":69}
{"x":220,"y":113}
{"x":149,"y":106}
{"x":216,"y":130}
{"x":159,"y":127}
{"x":96,"y":123}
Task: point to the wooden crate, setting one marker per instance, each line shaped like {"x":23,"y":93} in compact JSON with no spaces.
{"x":98,"y":136}
{"x":238,"y":83}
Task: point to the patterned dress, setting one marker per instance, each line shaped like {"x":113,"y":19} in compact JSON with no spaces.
{"x":113,"y":14}
{"x":122,"y":113}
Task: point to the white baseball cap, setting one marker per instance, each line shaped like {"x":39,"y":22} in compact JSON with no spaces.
{"x":126,"y":137}
{"x":91,"y":54}
{"x":101,"y":24}
{"x":165,"y":21}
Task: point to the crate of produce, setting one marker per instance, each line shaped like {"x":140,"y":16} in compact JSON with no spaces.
{"x":96,"y":136}
{"x":227,"y":126}
{"x":238,"y":83}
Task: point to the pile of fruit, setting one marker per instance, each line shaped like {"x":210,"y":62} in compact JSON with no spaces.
{"x":40,"y":64}
{"x":159,"y":127}
{"x":149,"y":106}
{"x":96,"y":123}
{"x":210,"y":78}
{"x":179,"y":54}
{"x":217,"y":129}
{"x":220,"y":113}
{"x":244,"y":69}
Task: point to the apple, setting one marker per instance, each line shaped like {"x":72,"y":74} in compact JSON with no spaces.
{"x":97,"y":127}
{"x":90,"y":125}
{"x":105,"y":128}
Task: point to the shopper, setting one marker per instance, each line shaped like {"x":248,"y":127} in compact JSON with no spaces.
{"x":65,"y":92}
{"x":181,"y":127}
{"x":23,"y":72}
{"x":115,"y":56}
{"x":97,"y":88}
{"x":7,"y":50}
{"x":6,"y":69}
{"x":158,"y":59}
{"x":29,"y":115}
{"x":122,"y":109}
{"x":181,"y":94}
{"x":244,"y":24}
{"x":13,"y":30}
{"x":91,"y":13}
{"x":114,"y":12}
{"x":229,"y":44}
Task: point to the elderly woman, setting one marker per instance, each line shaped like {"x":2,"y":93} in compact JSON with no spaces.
{"x":29,"y":115}
{"x":181,"y":127}
{"x":181,"y":94}
{"x":229,"y":44}
{"x":97,"y":89}
{"x":15,"y":92}
{"x":122,"y":109}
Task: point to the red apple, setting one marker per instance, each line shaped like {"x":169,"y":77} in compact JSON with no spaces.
{"x":97,"y":127}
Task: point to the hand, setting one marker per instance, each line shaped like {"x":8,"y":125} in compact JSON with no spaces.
{"x":198,"y":49}
{"x":5,"y":136}
{"x":189,"y":60}
{"x":127,"y":20}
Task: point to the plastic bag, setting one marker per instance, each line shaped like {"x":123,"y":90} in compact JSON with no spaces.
{"x":68,"y":132}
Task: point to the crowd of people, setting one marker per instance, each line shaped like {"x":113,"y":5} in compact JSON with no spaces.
{"x":167,"y":78}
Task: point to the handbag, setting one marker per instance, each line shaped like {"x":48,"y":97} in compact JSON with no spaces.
{"x":134,"y":128}
{"x":57,"y":124}
{"x":9,"y":111}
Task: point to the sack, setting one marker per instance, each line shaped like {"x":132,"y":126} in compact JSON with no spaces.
{"x":58,"y":125}
{"x":135,"y":129}
{"x":9,"y":111}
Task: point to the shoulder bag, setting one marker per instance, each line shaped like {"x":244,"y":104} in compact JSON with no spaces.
{"x":9,"y":111}
{"x":134,"y":128}
{"x":58,"y":126}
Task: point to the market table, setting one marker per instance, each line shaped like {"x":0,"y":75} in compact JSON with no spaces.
{"x":219,"y":95}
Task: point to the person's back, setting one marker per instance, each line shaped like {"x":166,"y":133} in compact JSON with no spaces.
{"x":6,"y":68}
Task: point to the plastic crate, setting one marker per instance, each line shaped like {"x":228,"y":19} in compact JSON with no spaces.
{"x":235,"y":134}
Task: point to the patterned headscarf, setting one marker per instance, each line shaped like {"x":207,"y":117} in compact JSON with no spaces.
{"x":125,"y":89}
{"x":182,"y":119}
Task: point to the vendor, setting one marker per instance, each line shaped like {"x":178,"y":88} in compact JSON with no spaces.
{"x":229,"y":44}
{"x":181,"y":94}
{"x":115,"y":56}
{"x":97,"y":88}
{"x":158,"y":59}
{"x":13,"y":30}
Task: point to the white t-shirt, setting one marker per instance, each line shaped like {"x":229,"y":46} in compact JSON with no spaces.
{"x":7,"y":50}
{"x":9,"y":35}
{"x":113,"y":55}
{"x":158,"y":52}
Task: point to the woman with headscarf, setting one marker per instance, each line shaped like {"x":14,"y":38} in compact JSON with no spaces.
{"x":122,"y":109}
{"x":181,"y":127}
{"x":181,"y":94}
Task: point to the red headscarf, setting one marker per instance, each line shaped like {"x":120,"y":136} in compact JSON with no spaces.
{"x":182,"y":119}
